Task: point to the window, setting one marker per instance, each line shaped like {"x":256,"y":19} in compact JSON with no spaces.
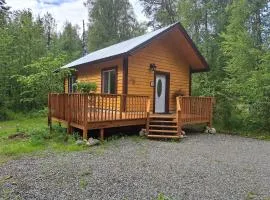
{"x":71,"y":81}
{"x":109,"y":81}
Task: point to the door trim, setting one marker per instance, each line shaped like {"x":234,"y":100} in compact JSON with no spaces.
{"x":167,"y":94}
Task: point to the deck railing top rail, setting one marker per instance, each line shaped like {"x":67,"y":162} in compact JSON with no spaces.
{"x":96,"y":94}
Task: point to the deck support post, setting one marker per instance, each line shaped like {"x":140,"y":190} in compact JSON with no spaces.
{"x":69,"y":129}
{"x":101,"y":132}
{"x":85,"y":133}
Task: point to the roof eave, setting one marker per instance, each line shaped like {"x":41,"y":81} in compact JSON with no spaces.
{"x":194,"y":47}
{"x":200,"y":70}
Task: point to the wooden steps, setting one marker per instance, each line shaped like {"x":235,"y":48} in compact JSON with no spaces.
{"x":163,"y":126}
{"x":162,"y":131}
{"x":165,"y":122}
{"x":165,"y":136}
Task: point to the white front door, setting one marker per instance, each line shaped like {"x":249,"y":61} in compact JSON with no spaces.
{"x":160,"y":93}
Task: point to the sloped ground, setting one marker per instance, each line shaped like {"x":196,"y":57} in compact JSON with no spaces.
{"x":199,"y":167}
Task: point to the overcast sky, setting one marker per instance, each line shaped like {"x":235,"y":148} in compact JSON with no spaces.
{"x":64,"y":10}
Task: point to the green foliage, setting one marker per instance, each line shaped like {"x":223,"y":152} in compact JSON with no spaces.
{"x":111,"y":22}
{"x":69,"y":42}
{"x":161,"y":196}
{"x":31,"y":50}
{"x":39,"y":137}
{"x":40,"y":79}
{"x":234,"y":37}
{"x":85,"y":87}
{"x":232,"y":34}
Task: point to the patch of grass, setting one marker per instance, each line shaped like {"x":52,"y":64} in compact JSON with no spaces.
{"x":250,"y":134}
{"x":86,"y":173}
{"x":251,"y":195}
{"x":161,"y":196}
{"x":260,"y":135}
{"x":39,"y":138}
{"x":83,"y":183}
{"x":136,"y":138}
{"x":21,"y":125}
{"x":256,"y":135}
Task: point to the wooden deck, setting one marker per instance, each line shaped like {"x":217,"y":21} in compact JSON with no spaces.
{"x":99,"y":111}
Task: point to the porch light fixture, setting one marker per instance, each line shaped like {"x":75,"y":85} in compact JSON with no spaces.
{"x":152,"y":67}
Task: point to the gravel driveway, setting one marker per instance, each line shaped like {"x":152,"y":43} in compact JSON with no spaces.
{"x":199,"y":167}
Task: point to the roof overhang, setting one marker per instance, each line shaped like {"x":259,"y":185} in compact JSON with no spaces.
{"x":197,"y":61}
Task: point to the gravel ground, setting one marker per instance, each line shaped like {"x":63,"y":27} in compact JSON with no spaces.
{"x":199,"y":167}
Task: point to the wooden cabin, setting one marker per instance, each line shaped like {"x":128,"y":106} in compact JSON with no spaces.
{"x":142,"y":81}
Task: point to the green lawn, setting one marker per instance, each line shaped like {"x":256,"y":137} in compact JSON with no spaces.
{"x":21,"y":124}
{"x":38,"y":138}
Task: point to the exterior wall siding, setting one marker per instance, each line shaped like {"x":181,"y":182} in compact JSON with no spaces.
{"x":92,"y":73}
{"x":167,"y":59}
{"x":162,"y":52}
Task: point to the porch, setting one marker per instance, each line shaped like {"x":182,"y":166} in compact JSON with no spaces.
{"x":99,"y":111}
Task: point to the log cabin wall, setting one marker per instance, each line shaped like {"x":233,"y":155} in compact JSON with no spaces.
{"x":92,"y":73}
{"x":166,"y":55}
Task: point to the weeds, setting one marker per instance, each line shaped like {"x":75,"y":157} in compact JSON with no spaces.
{"x":161,"y":196}
{"x":83,"y":183}
{"x":38,"y":139}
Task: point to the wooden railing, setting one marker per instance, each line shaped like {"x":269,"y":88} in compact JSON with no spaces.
{"x":83,"y":108}
{"x":195,"y":109}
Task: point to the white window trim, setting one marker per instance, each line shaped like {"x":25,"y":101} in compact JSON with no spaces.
{"x":109,"y":80}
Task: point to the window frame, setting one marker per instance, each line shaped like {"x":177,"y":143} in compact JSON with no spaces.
{"x":71,"y":80}
{"x":115,"y":69}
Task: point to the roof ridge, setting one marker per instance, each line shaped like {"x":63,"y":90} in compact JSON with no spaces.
{"x":119,"y":48}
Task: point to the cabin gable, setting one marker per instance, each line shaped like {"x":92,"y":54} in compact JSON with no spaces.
{"x":164,"y":53}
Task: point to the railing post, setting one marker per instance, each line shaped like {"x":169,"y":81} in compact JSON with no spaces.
{"x":69,"y":129}
{"x":148,"y":115}
{"x":85,"y":129}
{"x":121,"y":105}
{"x":178,"y":116}
{"x":211,"y":112}
{"x":49,"y":112}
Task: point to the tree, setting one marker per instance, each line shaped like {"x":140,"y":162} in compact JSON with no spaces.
{"x":40,"y":80}
{"x":160,"y":12}
{"x":110,"y":21}
{"x":69,"y":41}
{"x":247,"y":77}
{"x":49,"y":28}
{"x":3,"y":12}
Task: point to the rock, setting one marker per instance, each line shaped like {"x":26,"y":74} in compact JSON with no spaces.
{"x":92,"y":142}
{"x":142,"y":133}
{"x":80,"y":142}
{"x":206,"y":129}
{"x":212,"y":131}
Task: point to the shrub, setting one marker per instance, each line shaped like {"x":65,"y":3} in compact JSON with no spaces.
{"x":85,"y":87}
{"x":39,"y":136}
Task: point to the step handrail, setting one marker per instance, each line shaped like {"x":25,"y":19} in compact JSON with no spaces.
{"x":178,"y":115}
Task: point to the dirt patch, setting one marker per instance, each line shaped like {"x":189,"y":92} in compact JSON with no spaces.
{"x":19,"y":135}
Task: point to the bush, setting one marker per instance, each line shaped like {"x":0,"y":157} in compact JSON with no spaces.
{"x":39,"y":136}
{"x":85,"y":87}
